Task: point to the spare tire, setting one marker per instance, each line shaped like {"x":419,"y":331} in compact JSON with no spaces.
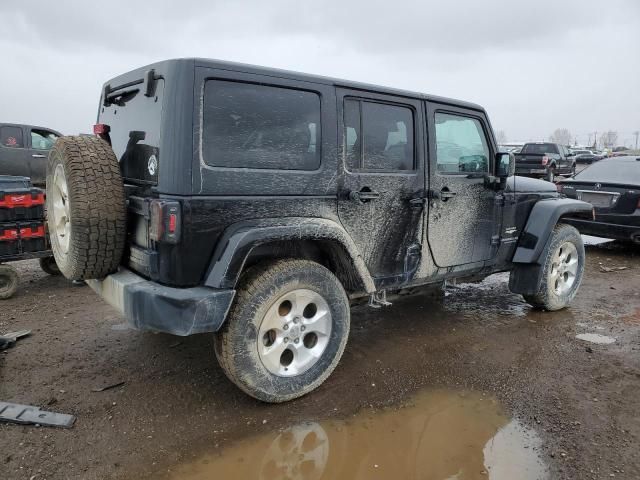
{"x":86,"y":209}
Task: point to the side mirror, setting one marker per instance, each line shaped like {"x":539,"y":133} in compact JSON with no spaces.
{"x":505,"y":164}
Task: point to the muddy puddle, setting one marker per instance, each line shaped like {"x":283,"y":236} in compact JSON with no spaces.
{"x":438,"y":435}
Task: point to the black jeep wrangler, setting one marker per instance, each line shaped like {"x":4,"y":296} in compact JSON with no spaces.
{"x":257,"y":203}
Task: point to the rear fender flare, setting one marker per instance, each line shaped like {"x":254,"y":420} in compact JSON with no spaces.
{"x":238,"y":240}
{"x":543,"y":218}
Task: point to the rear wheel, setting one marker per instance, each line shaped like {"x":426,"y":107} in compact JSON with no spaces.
{"x":49,"y":265}
{"x":85,"y":207}
{"x":563,"y":268}
{"x":551,"y":175}
{"x":286,"y":330}
{"x":8,"y":281}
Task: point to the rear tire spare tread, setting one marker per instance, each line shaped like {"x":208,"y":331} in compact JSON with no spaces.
{"x":545,"y":298}
{"x":97,"y":207}
{"x":262,"y":284}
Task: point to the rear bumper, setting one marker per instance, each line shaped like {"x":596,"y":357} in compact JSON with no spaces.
{"x":150,"y":306}
{"x":606,"y":230}
{"x":530,"y":171}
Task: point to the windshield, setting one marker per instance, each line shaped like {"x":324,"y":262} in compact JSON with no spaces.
{"x":625,"y":170}
{"x":540,"y":148}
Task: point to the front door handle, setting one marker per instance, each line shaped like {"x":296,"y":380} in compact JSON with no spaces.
{"x":38,"y":155}
{"x":364,"y":195}
{"x":444,"y":194}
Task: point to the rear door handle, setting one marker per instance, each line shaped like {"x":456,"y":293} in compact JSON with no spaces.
{"x":364,"y":196}
{"x":38,"y":155}
{"x":444,"y":194}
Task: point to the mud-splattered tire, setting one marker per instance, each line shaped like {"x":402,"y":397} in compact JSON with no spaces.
{"x":85,"y":207}
{"x":49,"y":265}
{"x":278,"y":307}
{"x":560,"y":281}
{"x":8,"y":282}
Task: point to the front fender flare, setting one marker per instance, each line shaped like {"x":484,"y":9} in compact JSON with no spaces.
{"x":543,"y":218}
{"x":241,"y":238}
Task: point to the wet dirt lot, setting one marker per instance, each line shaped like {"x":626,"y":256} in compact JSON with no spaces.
{"x":470,"y":384}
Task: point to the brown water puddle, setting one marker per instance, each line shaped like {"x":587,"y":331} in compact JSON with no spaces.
{"x":440,"y":435}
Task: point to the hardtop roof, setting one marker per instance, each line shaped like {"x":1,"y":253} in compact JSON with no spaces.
{"x":305,"y":77}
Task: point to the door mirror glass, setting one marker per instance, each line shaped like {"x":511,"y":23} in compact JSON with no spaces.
{"x":505,"y":165}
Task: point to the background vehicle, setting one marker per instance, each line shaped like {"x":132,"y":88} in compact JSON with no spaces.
{"x":24,"y":150}
{"x":586,"y":156}
{"x":511,"y":147}
{"x":301,"y":193}
{"x":545,"y":160}
{"x":612,"y":186}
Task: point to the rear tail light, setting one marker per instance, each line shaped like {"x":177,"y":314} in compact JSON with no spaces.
{"x":102,"y":130}
{"x":545,"y":160}
{"x":164,"y":221}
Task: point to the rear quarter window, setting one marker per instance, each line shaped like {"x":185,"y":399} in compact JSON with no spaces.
{"x":254,"y":126}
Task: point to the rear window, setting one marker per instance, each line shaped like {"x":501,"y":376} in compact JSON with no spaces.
{"x":135,"y":121}
{"x":624,"y":171}
{"x":378,"y":136}
{"x":540,"y":148}
{"x":247,"y":125}
{"x":11,"y":137}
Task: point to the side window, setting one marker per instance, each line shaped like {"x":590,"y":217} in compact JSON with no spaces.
{"x":461,"y":145}
{"x":247,"y":125}
{"x":42,"y":139}
{"x":11,"y":137}
{"x":378,"y":136}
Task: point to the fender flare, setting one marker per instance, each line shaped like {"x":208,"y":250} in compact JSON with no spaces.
{"x":239,"y":239}
{"x":543,"y":218}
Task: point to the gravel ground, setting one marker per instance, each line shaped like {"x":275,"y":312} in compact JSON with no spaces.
{"x":176,"y":405}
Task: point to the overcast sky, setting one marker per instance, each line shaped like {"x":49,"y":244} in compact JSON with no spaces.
{"x":534,"y":65}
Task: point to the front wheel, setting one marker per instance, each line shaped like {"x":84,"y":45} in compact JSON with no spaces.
{"x":562,"y":272}
{"x":286,"y":330}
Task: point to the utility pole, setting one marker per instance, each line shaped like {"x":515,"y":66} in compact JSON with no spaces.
{"x":636,"y":133}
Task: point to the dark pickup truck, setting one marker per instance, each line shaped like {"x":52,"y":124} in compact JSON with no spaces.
{"x":545,"y":160}
{"x":24,"y":150}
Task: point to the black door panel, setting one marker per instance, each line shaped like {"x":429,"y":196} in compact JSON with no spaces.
{"x":383,"y":171}
{"x":463,"y":215}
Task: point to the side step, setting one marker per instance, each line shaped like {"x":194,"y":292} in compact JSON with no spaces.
{"x":379,"y":299}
